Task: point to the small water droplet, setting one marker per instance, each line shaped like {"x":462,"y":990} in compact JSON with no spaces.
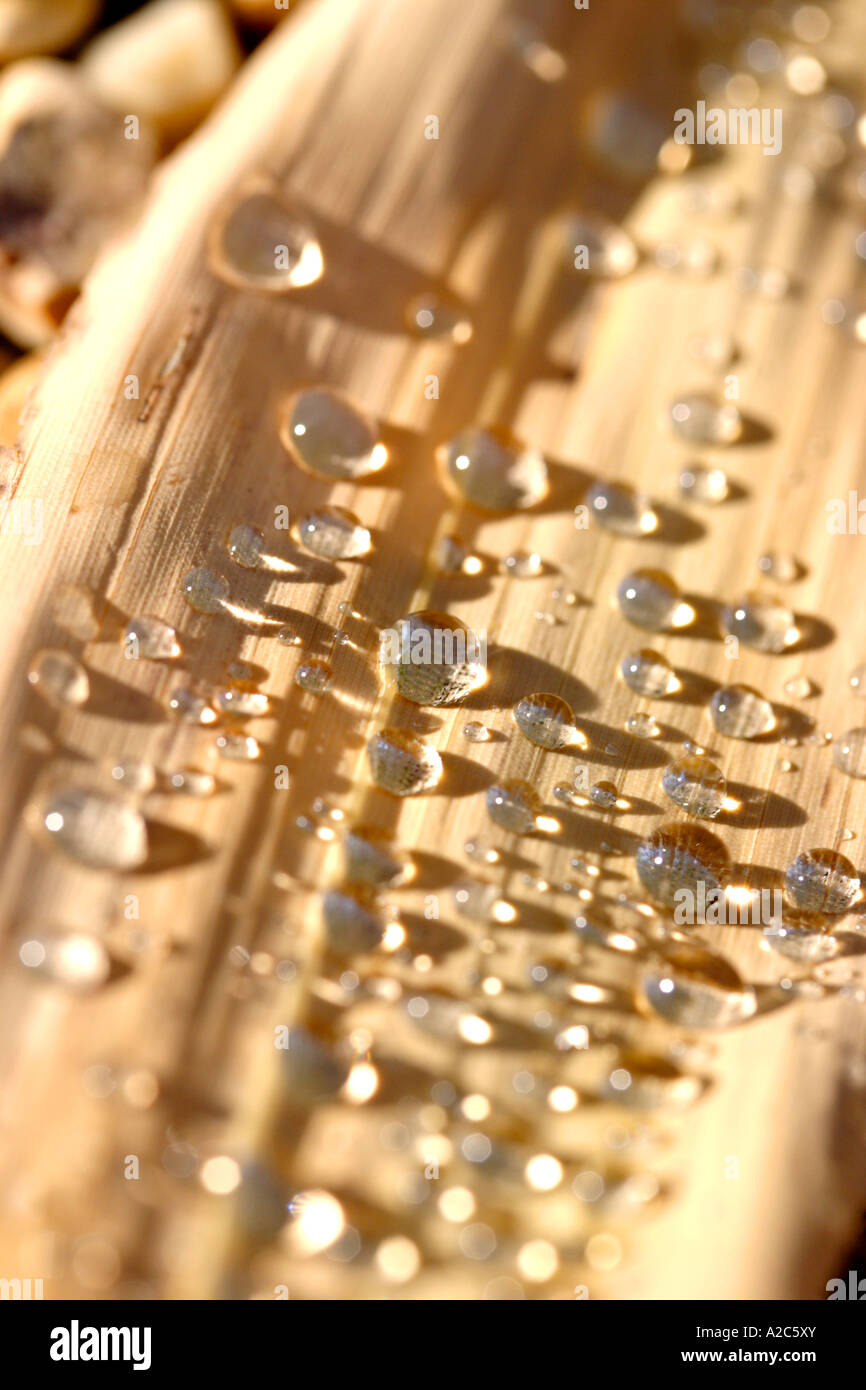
{"x":849,"y":753}
{"x":205,"y":590}
{"x":621,"y":508}
{"x":350,"y":925}
{"x":481,"y":902}
{"x":857,"y":681}
{"x":709,"y":486}
{"x":242,"y":704}
{"x":335,"y":533}
{"x":513,"y":805}
{"x":696,"y":257}
{"x":492,"y":471}
{"x":784,"y":568}
{"x":246,"y":546}
{"x":800,"y":688}
{"x":191,"y":707}
{"x":522,"y":564}
{"x":74,"y":611}
{"x":697,"y":785}
{"x":610,"y":251}
{"x":603,"y":794}
{"x":651,"y":599}
{"x":530,"y":46}
{"x":762,"y":622}
{"x":135,"y":775}
{"x":261,"y":242}
{"x":641,"y":725}
{"x":95,"y":828}
{"x":681,"y":857}
{"x":763,"y":281}
{"x":237,"y":747}
{"x":476,"y":732}
{"x":371,"y":857}
{"x":717,"y":349}
{"x":451,"y":555}
{"x":548,"y":721}
{"x":701,"y":418}
{"x":287,"y":638}
{"x":431,"y":658}
{"x":59,"y":678}
{"x":695,"y":988}
{"x":191,"y":781}
{"x":822,"y":880}
{"x":650,"y":1082}
{"x":150,"y":638}
{"x":76,"y":960}
{"x":739,"y":711}
{"x":314,"y":676}
{"x":402,"y":764}
{"x":326,"y":434}
{"x":432,"y":317}
{"x":648,"y":673}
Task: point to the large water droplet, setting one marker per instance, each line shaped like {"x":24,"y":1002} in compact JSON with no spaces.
{"x":704,"y":419}
{"x":762,"y":622}
{"x":335,"y":533}
{"x":205,"y":590}
{"x":328,"y":435}
{"x":695,"y":988}
{"x":432,"y":658}
{"x":150,"y":638}
{"x":513,"y":805}
{"x":246,"y":546}
{"x":548,"y":721}
{"x":74,"y":959}
{"x":679,"y":858}
{"x":739,"y":711}
{"x":59,"y":678}
{"x":371,"y":857}
{"x":261,"y":242}
{"x":849,"y":753}
{"x":610,"y":252}
{"x":652,"y":600}
{"x":822,"y":880}
{"x":92,"y":827}
{"x":314,"y":676}
{"x":648,"y":673}
{"x":493,"y":472}
{"x":697,"y":785}
{"x":621,"y":508}
{"x":402,"y":764}
{"x":350,"y":925}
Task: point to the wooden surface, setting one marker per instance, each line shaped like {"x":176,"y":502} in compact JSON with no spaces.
{"x":586,"y":373}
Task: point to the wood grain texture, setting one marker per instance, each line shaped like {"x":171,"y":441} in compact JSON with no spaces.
{"x":333,"y":107}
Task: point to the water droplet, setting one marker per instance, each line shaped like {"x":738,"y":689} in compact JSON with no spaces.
{"x":513,"y":805}
{"x":849,"y":753}
{"x":261,"y":242}
{"x":621,"y":508}
{"x":192,"y":781}
{"x":246,"y":546}
{"x":238,"y":747}
{"x":625,"y":135}
{"x":310,"y":1071}
{"x":642,"y":725}
{"x":701,"y":484}
{"x":717,"y":349}
{"x":150,"y":638}
{"x":603,"y":794}
{"x":739,"y":711}
{"x":491,"y":471}
{"x":451,"y":554}
{"x":652,"y":600}
{"x":92,"y":827}
{"x":529,"y":44}
{"x":481,"y":902}
{"x":764,"y":282}
{"x":822,"y":880}
{"x":350,"y":925}
{"x":650,"y":1082}
{"x":704,"y":419}
{"x":696,"y":257}
{"x":522,"y":564}
{"x":857,"y":681}
{"x":59,"y":678}
{"x":326,"y":434}
{"x":476,"y":732}
{"x":802,"y":936}
{"x":402,"y":764}
{"x":648,"y":673}
{"x":697,"y":785}
{"x":314,"y":676}
{"x":371,"y":857}
{"x":242,"y":704}
{"x":762,"y":622}
{"x":548,"y":721}
{"x":610,"y":251}
{"x":190,"y":707}
{"x":287,"y":638}
{"x":431,"y":658}
{"x":335,"y":533}
{"x":695,"y":988}
{"x":785,"y":569}
{"x":135,"y":775}
{"x":74,"y":611}
{"x":431,"y":317}
{"x":76,"y":960}
{"x":205,"y":590}
{"x":680,"y":857}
